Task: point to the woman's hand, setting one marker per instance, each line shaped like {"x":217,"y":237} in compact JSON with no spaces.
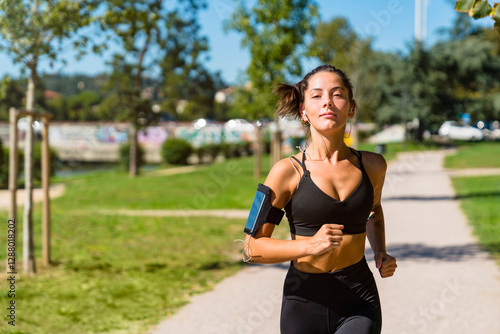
{"x":328,"y":237}
{"x":385,"y":264}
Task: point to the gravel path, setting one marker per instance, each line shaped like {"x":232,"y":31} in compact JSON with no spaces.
{"x":444,"y":283}
{"x":55,"y":190}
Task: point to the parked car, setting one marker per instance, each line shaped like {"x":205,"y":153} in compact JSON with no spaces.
{"x":463,"y":131}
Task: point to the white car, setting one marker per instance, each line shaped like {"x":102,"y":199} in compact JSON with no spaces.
{"x":454,"y":131}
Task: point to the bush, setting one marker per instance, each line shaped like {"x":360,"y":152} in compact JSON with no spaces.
{"x":210,"y":150}
{"x":231,"y":150}
{"x":125,"y":156}
{"x":245,"y":148}
{"x":176,"y":151}
{"x":235,"y":150}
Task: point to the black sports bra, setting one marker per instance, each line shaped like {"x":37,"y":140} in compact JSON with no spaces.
{"x":310,"y":207}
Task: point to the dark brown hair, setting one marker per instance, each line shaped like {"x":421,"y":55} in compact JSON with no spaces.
{"x":291,"y":97}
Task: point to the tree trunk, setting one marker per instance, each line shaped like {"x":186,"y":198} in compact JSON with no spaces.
{"x":276,"y":143}
{"x":28,"y":243}
{"x":13,"y":175}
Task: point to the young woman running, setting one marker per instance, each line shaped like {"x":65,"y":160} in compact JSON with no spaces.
{"x":331,"y":195}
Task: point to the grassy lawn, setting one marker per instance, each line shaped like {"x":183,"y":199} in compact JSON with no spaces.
{"x":225,"y":185}
{"x":119,"y":274}
{"x":475,"y":155}
{"x":480,"y":198}
{"x":116,"y":273}
{"x":479,"y":195}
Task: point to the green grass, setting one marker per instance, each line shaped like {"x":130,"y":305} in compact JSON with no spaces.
{"x":117,"y":272}
{"x":480,"y":198}
{"x":475,"y":155}
{"x":480,"y":195}
{"x":225,"y":185}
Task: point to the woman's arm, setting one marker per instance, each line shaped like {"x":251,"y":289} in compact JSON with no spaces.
{"x":376,"y":167}
{"x":261,"y":248}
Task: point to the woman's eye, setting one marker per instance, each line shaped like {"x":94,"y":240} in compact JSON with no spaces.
{"x":316,"y":96}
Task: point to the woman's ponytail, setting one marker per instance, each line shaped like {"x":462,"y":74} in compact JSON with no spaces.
{"x":289,"y":101}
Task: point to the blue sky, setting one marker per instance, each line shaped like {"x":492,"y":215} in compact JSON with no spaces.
{"x":389,"y":22}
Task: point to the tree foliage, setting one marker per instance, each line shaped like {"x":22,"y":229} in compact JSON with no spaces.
{"x":480,"y":8}
{"x":34,"y":30}
{"x":152,"y":36}
{"x":457,"y":75}
{"x":275,"y":33}
{"x":11,"y":95}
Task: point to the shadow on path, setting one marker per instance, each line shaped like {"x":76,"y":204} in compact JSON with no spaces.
{"x":442,"y":198}
{"x":423,"y":252}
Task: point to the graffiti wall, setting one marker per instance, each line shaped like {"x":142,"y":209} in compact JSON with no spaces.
{"x":100,"y":142}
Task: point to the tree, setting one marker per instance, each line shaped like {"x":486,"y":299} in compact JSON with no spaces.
{"x":480,"y":8}
{"x":471,"y":72}
{"x":141,"y":28}
{"x":82,"y":106}
{"x":275,"y":32}
{"x":34,"y":30}
{"x":11,"y":95}
{"x":337,"y":43}
{"x":184,"y":78}
{"x":29,"y":32}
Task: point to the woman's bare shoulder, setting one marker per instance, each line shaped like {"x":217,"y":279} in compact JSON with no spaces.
{"x":374,"y":162}
{"x":283,"y":171}
{"x":283,"y":180}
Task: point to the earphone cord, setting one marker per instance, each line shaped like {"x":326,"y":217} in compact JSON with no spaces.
{"x":304,"y":151}
{"x":246,"y":258}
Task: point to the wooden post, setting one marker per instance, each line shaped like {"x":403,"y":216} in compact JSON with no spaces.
{"x":46,"y":189}
{"x":28,"y":243}
{"x":13,"y":174}
{"x":276,"y":155}
{"x":133,"y":170}
{"x":258,"y":151}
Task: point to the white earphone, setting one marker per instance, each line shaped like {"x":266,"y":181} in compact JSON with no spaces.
{"x":304,"y":112}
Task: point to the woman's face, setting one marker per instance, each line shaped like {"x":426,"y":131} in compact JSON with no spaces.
{"x":326,"y":102}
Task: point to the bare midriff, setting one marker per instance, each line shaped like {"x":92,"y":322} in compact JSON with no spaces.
{"x":350,"y":251}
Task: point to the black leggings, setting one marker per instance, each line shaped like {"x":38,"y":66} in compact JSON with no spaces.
{"x":343,"y":302}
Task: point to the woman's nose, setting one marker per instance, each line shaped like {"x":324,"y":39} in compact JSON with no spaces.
{"x":328,"y":101}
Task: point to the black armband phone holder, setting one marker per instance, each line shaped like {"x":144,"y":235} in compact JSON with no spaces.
{"x":262,"y":211}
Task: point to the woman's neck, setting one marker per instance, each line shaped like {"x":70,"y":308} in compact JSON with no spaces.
{"x":327,"y":147}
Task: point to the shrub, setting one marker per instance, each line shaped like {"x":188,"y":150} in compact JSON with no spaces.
{"x":245,"y":148}
{"x":125,"y":156}
{"x":210,"y":150}
{"x":231,"y":150}
{"x":176,"y":151}
{"x":213,"y":150}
